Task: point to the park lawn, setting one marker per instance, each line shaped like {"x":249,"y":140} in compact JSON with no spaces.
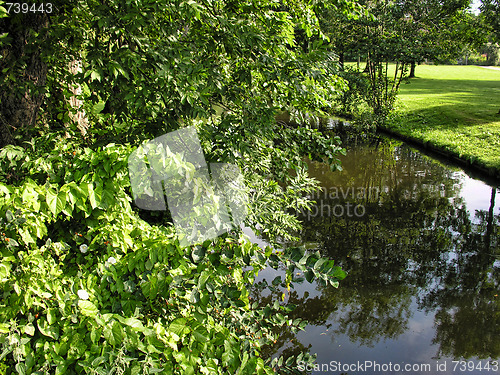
{"x":455,"y":108}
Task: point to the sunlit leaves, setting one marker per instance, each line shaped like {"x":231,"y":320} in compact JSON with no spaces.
{"x":87,"y":308}
{"x":179,"y":328}
{"x":48,"y":329}
{"x":56,"y":201}
{"x":198,"y":253}
{"x":113,"y":332}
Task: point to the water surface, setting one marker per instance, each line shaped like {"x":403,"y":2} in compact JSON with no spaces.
{"x":419,"y":240}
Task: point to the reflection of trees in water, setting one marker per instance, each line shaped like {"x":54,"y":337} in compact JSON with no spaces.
{"x":367,"y":315}
{"x":317,"y":310}
{"x":416,"y":240}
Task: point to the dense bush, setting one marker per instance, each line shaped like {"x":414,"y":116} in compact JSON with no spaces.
{"x":89,"y":287}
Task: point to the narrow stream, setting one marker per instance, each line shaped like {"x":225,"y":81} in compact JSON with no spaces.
{"x":419,"y":240}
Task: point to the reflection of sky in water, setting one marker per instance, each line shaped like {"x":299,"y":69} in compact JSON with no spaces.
{"x":407,"y":348}
{"x":253,"y":237}
{"x":477,"y":195}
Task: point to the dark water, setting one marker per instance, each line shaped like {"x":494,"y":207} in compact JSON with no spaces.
{"x":420,"y":243}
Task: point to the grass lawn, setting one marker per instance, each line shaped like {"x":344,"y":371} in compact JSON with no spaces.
{"x":454,"y":107}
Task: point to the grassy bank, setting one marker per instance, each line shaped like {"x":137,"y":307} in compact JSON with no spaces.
{"x":454,"y":108}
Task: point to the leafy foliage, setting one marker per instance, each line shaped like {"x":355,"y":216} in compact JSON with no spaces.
{"x":88,"y":285}
{"x":490,"y":10}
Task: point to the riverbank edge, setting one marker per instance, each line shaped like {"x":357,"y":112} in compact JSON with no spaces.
{"x":476,"y":165}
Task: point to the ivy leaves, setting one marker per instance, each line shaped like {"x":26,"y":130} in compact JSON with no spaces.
{"x":56,"y":201}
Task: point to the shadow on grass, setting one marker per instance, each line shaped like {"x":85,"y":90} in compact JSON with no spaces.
{"x":452,"y":116}
{"x":459,"y":115}
{"x":422,"y":86}
{"x":451,"y":102}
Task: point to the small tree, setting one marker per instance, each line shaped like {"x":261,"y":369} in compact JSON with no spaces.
{"x":490,"y":10}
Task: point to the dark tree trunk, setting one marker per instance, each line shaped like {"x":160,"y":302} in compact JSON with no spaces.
{"x":369,"y":64}
{"x":5,"y":134}
{"x":341,"y":60}
{"x":367,"y":67}
{"x":412,"y":69}
{"x":21,"y":99}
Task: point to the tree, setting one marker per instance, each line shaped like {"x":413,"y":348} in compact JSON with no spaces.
{"x":426,"y":29}
{"x":490,"y":10}
{"x":435,"y":29}
{"x":20,"y":105}
{"x":403,"y":33}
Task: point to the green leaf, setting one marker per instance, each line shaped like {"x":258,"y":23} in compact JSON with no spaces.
{"x":178,"y":327}
{"x":96,"y":75}
{"x":48,"y":330}
{"x":201,"y":333}
{"x":231,"y":354}
{"x":21,"y":368}
{"x":61,"y":369}
{"x":56,"y":202}
{"x":94,"y":195}
{"x":211,"y":367}
{"x":238,"y":275}
{"x":9,"y":215}
{"x":12,"y":242}
{"x":202,"y":281}
{"x":136,"y":324}
{"x":309,"y":275}
{"x":135,"y":370}
{"x":114,"y":333}
{"x":51,"y":316}
{"x":339,"y":273}
{"x":195,"y":296}
{"x":88,"y":308}
{"x":198,"y":254}
{"x":96,"y":362}
{"x":97,"y":108}
{"x":26,"y":236}
{"x":29,"y":329}
{"x":319,"y":263}
{"x":150,"y":288}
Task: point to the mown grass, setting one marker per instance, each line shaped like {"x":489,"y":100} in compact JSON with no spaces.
{"x":455,"y":108}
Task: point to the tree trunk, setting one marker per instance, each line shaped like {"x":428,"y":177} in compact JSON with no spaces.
{"x":412,"y":69}
{"x":22,"y":98}
{"x":367,"y":67}
{"x":5,"y":135}
{"x":341,"y":60}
